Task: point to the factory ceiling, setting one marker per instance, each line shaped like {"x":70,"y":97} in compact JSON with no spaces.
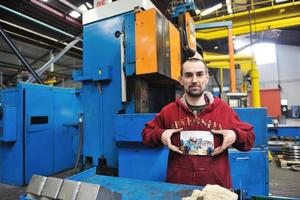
{"x":36,"y":41}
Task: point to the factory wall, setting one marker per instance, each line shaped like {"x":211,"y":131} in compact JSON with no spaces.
{"x":286,"y":72}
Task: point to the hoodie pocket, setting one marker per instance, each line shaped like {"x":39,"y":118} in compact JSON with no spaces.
{"x":194,"y":171}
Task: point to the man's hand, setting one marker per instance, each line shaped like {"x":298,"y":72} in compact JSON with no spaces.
{"x":229,"y":138}
{"x":166,"y":139}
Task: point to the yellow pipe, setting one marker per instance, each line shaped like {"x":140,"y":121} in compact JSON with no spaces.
{"x":222,"y":62}
{"x":258,"y":27}
{"x":266,"y":18}
{"x":278,"y":16}
{"x":245,"y":13}
{"x":226,"y":58}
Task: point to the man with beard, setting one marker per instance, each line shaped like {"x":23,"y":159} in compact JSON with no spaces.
{"x":198,"y":110}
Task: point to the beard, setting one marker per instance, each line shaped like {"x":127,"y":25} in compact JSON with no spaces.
{"x":194,"y":93}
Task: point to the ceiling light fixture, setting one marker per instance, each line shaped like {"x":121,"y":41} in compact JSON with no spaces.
{"x":211,"y":9}
{"x":74,"y":14}
{"x":83,"y":8}
{"x":229,"y":6}
{"x":45,"y":0}
{"x":88,"y":5}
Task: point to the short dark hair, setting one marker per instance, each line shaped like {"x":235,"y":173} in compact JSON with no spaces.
{"x":193,"y":59}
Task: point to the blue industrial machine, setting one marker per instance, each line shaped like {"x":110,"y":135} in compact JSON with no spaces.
{"x":126,"y":53}
{"x":131,"y":63}
{"x":38,"y":131}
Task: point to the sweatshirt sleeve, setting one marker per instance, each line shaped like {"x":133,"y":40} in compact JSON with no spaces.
{"x":244,"y":133}
{"x":153,"y":130}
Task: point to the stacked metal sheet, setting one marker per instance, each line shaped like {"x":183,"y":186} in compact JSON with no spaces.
{"x":291,"y":152}
{"x":47,"y":188}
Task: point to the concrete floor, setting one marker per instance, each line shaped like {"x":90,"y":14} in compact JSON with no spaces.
{"x":283,"y":182}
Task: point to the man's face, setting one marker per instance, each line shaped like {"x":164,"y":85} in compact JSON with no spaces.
{"x":194,"y":78}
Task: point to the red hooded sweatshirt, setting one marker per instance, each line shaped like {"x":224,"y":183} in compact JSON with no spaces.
{"x":194,"y":169}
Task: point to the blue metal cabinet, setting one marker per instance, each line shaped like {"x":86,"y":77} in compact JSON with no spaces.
{"x":250,"y":171}
{"x":258,"y":119}
{"x":134,"y":158}
{"x":45,"y":139}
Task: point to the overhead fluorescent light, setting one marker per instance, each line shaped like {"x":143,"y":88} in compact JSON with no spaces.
{"x":229,"y":6}
{"x":83,"y":8}
{"x":197,"y":11}
{"x":211,"y":9}
{"x":74,"y":14}
{"x":88,"y":5}
{"x":45,"y":0}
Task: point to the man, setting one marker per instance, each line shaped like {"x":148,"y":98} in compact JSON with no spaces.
{"x":198,"y":110}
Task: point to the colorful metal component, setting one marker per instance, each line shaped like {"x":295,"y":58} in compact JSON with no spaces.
{"x":157,"y":44}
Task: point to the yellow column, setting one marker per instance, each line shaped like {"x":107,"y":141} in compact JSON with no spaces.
{"x":255,"y":86}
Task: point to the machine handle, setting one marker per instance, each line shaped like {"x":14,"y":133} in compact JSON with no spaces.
{"x":242,"y":158}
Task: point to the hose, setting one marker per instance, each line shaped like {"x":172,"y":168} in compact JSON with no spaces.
{"x":80,"y":127}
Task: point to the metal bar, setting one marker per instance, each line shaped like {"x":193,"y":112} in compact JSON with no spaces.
{"x":70,"y":5}
{"x":22,"y":59}
{"x":213,"y":25}
{"x":1,"y":81}
{"x":63,"y":16}
{"x":33,"y":63}
{"x":227,"y":24}
{"x":36,"y":21}
{"x":221,"y":80}
{"x":123,"y":76}
{"x":34,"y":33}
{"x":54,"y":59}
{"x":231,"y":60}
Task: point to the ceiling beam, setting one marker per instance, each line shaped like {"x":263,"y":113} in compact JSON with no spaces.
{"x":272,"y":17}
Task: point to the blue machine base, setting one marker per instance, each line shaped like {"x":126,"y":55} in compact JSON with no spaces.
{"x":134,"y":189}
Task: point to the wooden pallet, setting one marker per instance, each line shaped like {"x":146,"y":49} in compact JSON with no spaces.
{"x":286,"y":164}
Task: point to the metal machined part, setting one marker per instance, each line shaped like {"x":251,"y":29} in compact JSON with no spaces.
{"x":292,"y":146}
{"x":36,"y":185}
{"x":295,"y":167}
{"x":109,"y":194}
{"x":291,"y":152}
{"x":52,"y":187}
{"x":88,"y":191}
{"x":45,"y":198}
{"x":69,"y":190}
